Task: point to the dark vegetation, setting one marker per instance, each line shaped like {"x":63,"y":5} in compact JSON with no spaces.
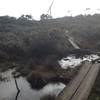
{"x":31,"y":42}
{"x":0,"y":78}
{"x":30,"y":39}
{"x":23,"y":37}
{"x":51,"y":73}
{"x":33,"y":46}
{"x":95,"y":93}
{"x":48,"y":97}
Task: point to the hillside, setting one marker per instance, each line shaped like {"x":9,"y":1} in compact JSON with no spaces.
{"x":33,"y":47}
{"x":31,"y":41}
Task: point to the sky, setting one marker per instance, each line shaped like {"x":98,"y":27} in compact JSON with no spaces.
{"x":60,"y":8}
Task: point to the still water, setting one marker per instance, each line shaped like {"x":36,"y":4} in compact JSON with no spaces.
{"x":71,"y":60}
{"x":8,"y":89}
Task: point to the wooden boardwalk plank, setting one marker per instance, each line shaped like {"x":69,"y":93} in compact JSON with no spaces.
{"x":72,"y":87}
{"x":83,"y":91}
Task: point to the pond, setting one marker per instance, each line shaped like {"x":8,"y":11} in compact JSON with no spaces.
{"x":8,"y":89}
{"x":72,"y":61}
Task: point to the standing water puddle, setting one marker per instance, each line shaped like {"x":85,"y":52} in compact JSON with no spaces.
{"x":71,"y":61}
{"x":8,"y":89}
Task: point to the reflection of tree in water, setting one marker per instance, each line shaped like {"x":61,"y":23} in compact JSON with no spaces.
{"x":18,"y":90}
{"x":16,"y":98}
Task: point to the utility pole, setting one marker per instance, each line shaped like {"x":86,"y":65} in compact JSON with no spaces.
{"x":49,"y":12}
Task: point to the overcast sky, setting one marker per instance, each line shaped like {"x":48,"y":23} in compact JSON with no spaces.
{"x":37,"y":7}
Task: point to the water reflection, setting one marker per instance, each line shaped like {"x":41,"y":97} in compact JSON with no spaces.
{"x":72,"y":61}
{"x":8,"y":89}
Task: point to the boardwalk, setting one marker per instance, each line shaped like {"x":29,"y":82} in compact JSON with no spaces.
{"x":71,"y":40}
{"x":80,"y":87}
